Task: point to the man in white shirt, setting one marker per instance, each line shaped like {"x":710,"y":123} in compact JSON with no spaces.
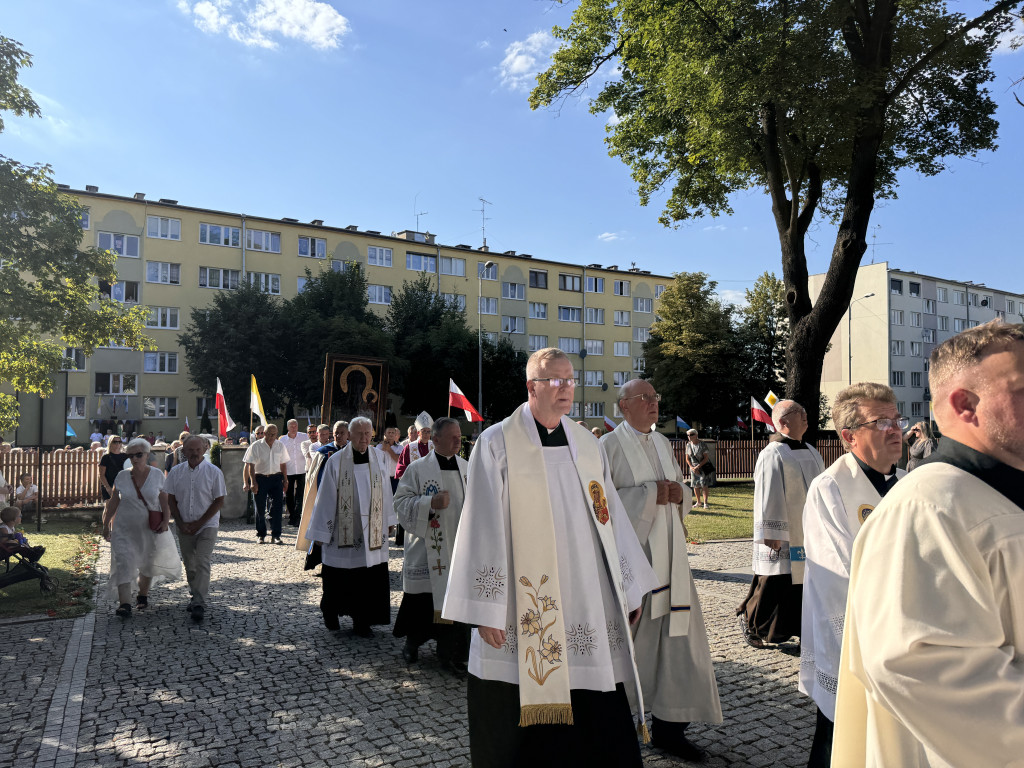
{"x":195,"y":493}
{"x":266,"y":473}
{"x":292,"y":443}
{"x":307,"y":445}
{"x":26,"y":496}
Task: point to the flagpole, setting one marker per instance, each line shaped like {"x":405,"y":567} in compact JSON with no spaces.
{"x":751,"y":425}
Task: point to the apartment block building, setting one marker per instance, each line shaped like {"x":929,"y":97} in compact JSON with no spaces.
{"x":172,"y":257}
{"x":896,"y":319}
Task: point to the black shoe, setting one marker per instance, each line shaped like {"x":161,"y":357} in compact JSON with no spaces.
{"x":453,"y":667}
{"x":671,"y":737}
{"x":141,"y":602}
{"x":410,"y":652}
{"x":197,"y":613}
{"x":332,"y":623}
{"x":362,"y":630}
{"x":263,"y":539}
{"x":124,"y":611}
{"x":749,"y":637}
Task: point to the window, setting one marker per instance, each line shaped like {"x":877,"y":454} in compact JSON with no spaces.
{"x":575,"y":412}
{"x":260,"y":240}
{"x":85,"y":219}
{"x":266,"y":282}
{"x":570,"y":314}
{"x":639,"y":364}
{"x":896,"y":380}
{"x":337,"y":265}
{"x":658,"y":290}
{"x":76,"y":407}
{"x":915,"y":349}
{"x":929,"y":306}
{"x":213,"y":277}
{"x":379,"y":294}
{"x":122,"y":245}
{"x":125,"y":291}
{"x":115,"y":384}
{"x":487,"y":306}
{"x":538,"y":279}
{"x":898,"y":347}
{"x":942,"y":294}
{"x":160,"y":407}
{"x":161,"y":362}
{"x":74,"y":359}
{"x":205,"y":405}
{"x":959,"y":297}
{"x":901,"y":407}
{"x":595,"y":285}
{"x":163,"y":228}
{"x":621,"y":349}
{"x":621,"y":317}
{"x":300,"y":284}
{"x":594,"y":379}
{"x":312,"y":247}
{"x":897,"y":317}
{"x":538,"y":342}
{"x":378,"y":257}
{"x":485,"y":272}
{"x":512,"y":324}
{"x":643,"y":305}
{"x":914,"y":289}
{"x":959,"y":324}
{"x":513,"y":291}
{"x":928,"y":334}
{"x":915,"y":319}
{"x":538,"y":311}
{"x":1011,"y":307}
{"x":595,"y":316}
{"x":943,"y":323}
{"x":163,"y":317}
{"x":215,"y":234}
{"x":491,"y":337}
{"x":641,"y":334}
{"x":568,"y":282}
{"x":896,"y":286}
{"x":974,"y":323}
{"x":163,"y":272}
{"x":420,"y":262}
{"x":452,"y":266}
{"x":915,"y":378}
{"x":595,"y":346}
{"x":621,"y":288}
{"x":456,"y":300}
{"x":973,"y":299}
{"x":569,"y":345}
{"x":595,"y":409}
{"x":620,"y":377}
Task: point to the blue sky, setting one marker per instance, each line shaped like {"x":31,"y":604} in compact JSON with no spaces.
{"x":368,"y":112}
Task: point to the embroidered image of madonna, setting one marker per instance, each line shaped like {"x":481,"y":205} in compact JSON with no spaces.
{"x":600,"y":502}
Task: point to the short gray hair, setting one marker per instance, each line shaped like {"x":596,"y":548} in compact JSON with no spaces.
{"x":357,"y":422}
{"x":691,"y":432}
{"x":339,"y":423}
{"x":206,"y":443}
{"x":782,"y":409}
{"x":443,"y":423}
{"x":845,"y":408}
{"x":138,"y":444}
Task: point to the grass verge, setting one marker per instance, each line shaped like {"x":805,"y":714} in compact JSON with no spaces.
{"x":730,"y":516}
{"x":72,"y":549}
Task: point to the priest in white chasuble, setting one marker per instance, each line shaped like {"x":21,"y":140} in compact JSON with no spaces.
{"x":354,"y":507}
{"x":838,"y":502}
{"x":547,"y":567}
{"x":784,"y":470}
{"x":670,"y":640}
{"x":932,"y":668}
{"x":428,"y":503}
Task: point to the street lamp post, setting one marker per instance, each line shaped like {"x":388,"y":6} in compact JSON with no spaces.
{"x":849,"y":337}
{"x":480,"y":337}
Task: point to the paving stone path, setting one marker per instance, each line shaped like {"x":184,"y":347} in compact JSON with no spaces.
{"x":262,"y":683}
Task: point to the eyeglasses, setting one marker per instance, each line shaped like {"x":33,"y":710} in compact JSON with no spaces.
{"x":135,"y":455}
{"x":115,"y":442}
{"x":646,"y":397}
{"x":885,"y":424}
{"x":557,"y":383}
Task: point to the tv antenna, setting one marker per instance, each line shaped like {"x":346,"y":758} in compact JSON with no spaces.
{"x":416,"y":213}
{"x":874,"y":241}
{"x":483,"y":217}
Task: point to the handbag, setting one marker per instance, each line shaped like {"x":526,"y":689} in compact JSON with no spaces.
{"x":707,"y":468}
{"x":156,"y":516}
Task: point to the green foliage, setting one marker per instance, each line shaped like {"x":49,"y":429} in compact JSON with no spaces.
{"x":504,"y":379}
{"x":764,"y":332}
{"x":49,"y":295}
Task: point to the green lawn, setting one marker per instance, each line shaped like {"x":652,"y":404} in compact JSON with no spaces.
{"x":730,"y":514}
{"x":72,"y":548}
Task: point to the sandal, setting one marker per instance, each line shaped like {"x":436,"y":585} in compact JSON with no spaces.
{"x":141,"y":602}
{"x":124,"y":611}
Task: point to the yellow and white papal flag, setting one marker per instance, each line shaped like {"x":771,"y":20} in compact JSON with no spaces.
{"x":255,"y":404}
{"x":771,"y":398}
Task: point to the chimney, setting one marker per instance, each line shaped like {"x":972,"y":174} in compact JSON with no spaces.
{"x":317,"y":222}
{"x":510,"y":253}
{"x":140,"y":195}
{"x":352,"y":227}
{"x":168,"y":201}
{"x":91,"y":188}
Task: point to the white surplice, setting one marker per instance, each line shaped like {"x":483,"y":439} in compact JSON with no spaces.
{"x":676,"y":673}
{"x":480,"y":585}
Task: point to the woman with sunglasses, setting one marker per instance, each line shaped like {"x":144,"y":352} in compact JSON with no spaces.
{"x":111,"y":463}
{"x":137,"y":551}
{"x":921,"y":444}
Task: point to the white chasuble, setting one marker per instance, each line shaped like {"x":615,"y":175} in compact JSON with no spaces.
{"x":838,"y":502}
{"x":481,"y":587}
{"x":781,"y":478}
{"x":676,"y":672}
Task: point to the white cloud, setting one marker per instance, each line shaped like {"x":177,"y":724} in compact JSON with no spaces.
{"x":715,"y":228}
{"x":483,"y":45}
{"x":259,"y":22}
{"x":613,"y":119}
{"x":731,"y":296}
{"x":607,"y":237}
{"x":49,"y":129}
{"x":525,"y":58}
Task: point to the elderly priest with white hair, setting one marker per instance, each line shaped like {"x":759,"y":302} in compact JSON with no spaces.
{"x":353,"y":510}
{"x":547,"y":566}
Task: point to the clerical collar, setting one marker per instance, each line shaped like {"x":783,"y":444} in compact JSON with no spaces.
{"x":1002,"y":477}
{"x":795,"y":445}
{"x":552,"y":438}
{"x":360,"y":458}
{"x":882,"y":483}
{"x":447,"y":462}
{"x":638,"y":432}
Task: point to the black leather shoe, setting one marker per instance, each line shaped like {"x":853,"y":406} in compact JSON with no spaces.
{"x":453,"y":667}
{"x":671,"y":737}
{"x":362,"y":630}
{"x":410,"y":652}
{"x":749,"y":637}
{"x":197,"y":613}
{"x":124,"y":610}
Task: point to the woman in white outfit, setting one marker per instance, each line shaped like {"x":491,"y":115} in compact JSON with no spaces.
{"x":136,"y":550}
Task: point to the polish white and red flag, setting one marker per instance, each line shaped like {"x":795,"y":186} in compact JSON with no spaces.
{"x":224,"y":422}
{"x":609,"y":424}
{"x":759,"y":413}
{"x":458,"y":400}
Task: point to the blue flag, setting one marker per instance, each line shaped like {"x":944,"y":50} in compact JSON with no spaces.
{"x":681,"y":424}
{"x":69,"y":432}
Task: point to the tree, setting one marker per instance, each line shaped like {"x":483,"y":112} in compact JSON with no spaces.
{"x":820,"y":104}
{"x":693,"y":356}
{"x":504,"y":379}
{"x":49,"y":296}
{"x":240,"y":333}
{"x":764,"y":333}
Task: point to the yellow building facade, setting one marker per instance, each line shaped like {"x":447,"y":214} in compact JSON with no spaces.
{"x":172,"y":257}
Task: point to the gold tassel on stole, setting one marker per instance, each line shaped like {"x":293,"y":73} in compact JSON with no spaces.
{"x":545,"y":714}
{"x":643,"y":732}
{"x":439,"y":620}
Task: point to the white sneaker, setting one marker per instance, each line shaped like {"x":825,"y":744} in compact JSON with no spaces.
{"x":705,"y":506}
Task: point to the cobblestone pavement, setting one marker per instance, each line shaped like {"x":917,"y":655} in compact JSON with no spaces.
{"x":262,"y":683}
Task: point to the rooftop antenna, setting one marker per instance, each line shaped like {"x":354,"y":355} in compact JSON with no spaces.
{"x":874,"y":241}
{"x":416,"y":213}
{"x":483,"y":217}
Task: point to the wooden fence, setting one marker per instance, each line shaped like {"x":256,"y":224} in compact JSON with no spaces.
{"x":736,"y":458}
{"x":65,"y":478}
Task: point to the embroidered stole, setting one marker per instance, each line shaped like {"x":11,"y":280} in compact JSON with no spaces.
{"x":348,"y":524}
{"x":308,"y":502}
{"x":439,"y":540}
{"x":544,"y":693}
{"x":672,"y":597}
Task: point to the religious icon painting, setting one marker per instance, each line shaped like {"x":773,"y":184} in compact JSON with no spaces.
{"x":863,"y":511}
{"x":600,"y":503}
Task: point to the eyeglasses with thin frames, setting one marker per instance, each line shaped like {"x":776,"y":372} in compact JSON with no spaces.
{"x":646,"y":397}
{"x":135,"y":455}
{"x":884,"y":424}
{"x":556,"y":383}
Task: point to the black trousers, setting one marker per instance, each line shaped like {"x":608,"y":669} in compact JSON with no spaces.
{"x":602,"y":733}
{"x":293,"y":497}
{"x":821,"y":747}
{"x":415,"y":621}
{"x":362,"y":593}
{"x":269,"y":488}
